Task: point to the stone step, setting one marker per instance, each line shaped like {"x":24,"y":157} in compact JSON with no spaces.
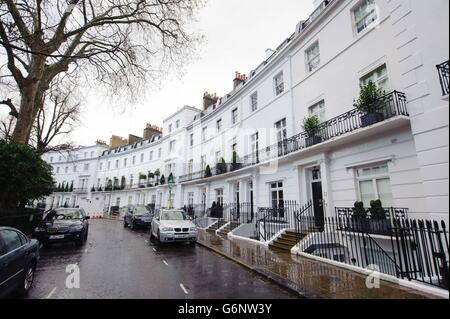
{"x":276,"y":245}
{"x":286,"y":242}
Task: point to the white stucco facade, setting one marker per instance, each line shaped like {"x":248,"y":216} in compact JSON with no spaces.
{"x":318,"y":70}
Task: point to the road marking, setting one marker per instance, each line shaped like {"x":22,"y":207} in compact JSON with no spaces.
{"x":51,"y":293}
{"x":154,"y":249}
{"x":146,"y":241}
{"x":184,"y":289}
{"x":165,"y":263}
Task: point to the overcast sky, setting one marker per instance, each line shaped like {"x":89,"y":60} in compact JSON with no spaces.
{"x":237,"y":34}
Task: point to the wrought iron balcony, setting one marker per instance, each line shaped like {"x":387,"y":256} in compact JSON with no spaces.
{"x":389,"y":106}
{"x":443,"y":70}
{"x":377,"y":221}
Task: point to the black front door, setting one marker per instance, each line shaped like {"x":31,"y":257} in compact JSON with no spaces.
{"x":318,"y":204}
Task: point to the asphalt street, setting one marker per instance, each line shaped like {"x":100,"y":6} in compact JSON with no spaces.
{"x":117,"y":263}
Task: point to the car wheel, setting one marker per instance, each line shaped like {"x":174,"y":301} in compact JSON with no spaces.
{"x":86,"y":235}
{"x":28,"y":279}
{"x":158,"y":240}
{"x":132,"y":225}
{"x":125,"y":224}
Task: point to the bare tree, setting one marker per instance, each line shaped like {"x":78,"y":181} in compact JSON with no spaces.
{"x":118,"y":43}
{"x":57,"y":117}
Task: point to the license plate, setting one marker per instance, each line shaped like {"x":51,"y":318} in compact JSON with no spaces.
{"x":56,"y":237}
{"x":181,"y":236}
{"x":147,"y":220}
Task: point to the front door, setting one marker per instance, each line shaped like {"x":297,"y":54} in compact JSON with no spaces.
{"x":317,"y":198}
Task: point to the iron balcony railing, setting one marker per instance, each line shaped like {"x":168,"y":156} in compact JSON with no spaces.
{"x":443,"y":70}
{"x":389,"y":106}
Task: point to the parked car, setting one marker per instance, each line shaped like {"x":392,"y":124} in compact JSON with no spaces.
{"x":170,"y":226}
{"x":18,"y":259}
{"x":137,"y":216}
{"x":63,"y":225}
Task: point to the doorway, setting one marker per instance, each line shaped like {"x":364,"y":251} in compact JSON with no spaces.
{"x":317,"y":197}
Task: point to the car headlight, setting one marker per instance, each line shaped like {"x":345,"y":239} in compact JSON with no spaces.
{"x":39,"y":229}
{"x":193,"y":229}
{"x":76,"y":228}
{"x":166,"y":229}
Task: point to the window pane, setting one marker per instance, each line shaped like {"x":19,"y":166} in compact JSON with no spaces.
{"x":11,"y":239}
{"x":367,"y":192}
{"x":385,"y":192}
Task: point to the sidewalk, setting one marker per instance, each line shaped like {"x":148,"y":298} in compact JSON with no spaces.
{"x":307,"y":277}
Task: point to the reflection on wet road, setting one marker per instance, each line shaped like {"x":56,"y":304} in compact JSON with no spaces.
{"x":117,"y":263}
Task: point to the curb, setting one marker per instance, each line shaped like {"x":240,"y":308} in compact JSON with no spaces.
{"x":282,"y":282}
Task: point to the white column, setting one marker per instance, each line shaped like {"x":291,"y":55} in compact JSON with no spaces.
{"x":326,"y":187}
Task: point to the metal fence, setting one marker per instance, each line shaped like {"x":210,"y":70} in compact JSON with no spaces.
{"x":398,"y":246}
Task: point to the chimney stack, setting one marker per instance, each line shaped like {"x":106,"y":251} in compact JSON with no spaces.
{"x":238,"y":79}
{"x":151,"y":130}
{"x":208,"y":100}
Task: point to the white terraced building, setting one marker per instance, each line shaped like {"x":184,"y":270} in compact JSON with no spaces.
{"x":401,"y":159}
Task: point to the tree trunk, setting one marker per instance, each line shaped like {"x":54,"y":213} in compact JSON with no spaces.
{"x":25,"y":119}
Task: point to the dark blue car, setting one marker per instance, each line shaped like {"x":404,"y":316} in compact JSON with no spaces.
{"x":18,"y":258}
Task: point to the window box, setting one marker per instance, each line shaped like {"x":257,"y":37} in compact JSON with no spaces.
{"x":313,"y":140}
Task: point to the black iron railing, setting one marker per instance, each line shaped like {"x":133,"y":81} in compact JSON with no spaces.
{"x":377,"y":221}
{"x":273,"y":220}
{"x":409,"y":249}
{"x":389,"y":106}
{"x":443,"y":70}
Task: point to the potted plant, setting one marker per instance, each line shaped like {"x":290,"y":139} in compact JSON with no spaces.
{"x":109,"y":186}
{"x":234,"y":162}
{"x":123,"y":183}
{"x":369,"y":104}
{"x":100,"y":189}
{"x":93,"y":189}
{"x":150,"y":176}
{"x":221,"y":167}
{"x":379,"y":223}
{"x":162,"y":180}
{"x":157,"y":174}
{"x":116,"y":184}
{"x":310,"y":124}
{"x":66,"y":189}
{"x":142,"y":177}
{"x":208,"y":172}
{"x":359,"y":217}
{"x":71,"y":187}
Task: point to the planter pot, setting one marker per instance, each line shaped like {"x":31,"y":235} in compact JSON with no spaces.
{"x":380,"y":226}
{"x":371,"y":118}
{"x":313,"y":140}
{"x":235,"y":166}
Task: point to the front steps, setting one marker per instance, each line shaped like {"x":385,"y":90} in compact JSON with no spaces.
{"x":229,"y":228}
{"x":286,"y":241}
{"x":216,"y":226}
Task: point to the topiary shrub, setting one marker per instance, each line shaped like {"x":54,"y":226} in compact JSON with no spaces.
{"x":208,"y":172}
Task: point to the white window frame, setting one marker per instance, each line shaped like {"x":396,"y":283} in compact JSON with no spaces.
{"x":320,"y":112}
{"x":374,"y":178}
{"x":219,"y":196}
{"x":204,"y":130}
{"x":254,"y":102}
{"x":172,"y":145}
{"x":376,"y":78}
{"x":312,"y":60}
{"x":364,"y":19}
{"x":234,"y":116}
{"x":219,"y":125}
{"x":281,"y":127}
{"x":278,"y":83}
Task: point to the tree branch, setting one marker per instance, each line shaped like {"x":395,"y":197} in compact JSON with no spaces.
{"x":9,"y":103}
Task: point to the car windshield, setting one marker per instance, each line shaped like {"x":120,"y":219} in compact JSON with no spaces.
{"x":142,"y":211}
{"x":66,"y":214}
{"x":174,"y":215}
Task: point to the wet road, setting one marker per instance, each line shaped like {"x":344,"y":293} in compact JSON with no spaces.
{"x":118,"y":263}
